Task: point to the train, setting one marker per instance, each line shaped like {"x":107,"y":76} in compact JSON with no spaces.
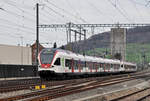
{"x":63,"y":63}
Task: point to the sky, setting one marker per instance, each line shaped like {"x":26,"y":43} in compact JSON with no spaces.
{"x":18,"y":17}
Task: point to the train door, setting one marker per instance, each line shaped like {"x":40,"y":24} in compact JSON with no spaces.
{"x":122,"y":67}
{"x":72,"y":65}
{"x":96,"y":67}
{"x":91,"y":66}
{"x":76,"y":66}
{"x":79,"y":65}
{"x":68,"y":65}
{"x":57,"y":65}
{"x":101,"y":67}
{"x":115,"y":68}
{"x":104,"y":66}
{"x":63,"y":64}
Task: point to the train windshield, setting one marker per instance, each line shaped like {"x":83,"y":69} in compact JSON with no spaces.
{"x":46,"y":56}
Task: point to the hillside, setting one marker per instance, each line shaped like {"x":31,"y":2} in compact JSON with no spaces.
{"x":138,"y":53}
{"x":138,"y":40}
{"x":102,"y":40}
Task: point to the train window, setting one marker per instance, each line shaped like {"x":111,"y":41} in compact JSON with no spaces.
{"x":125,"y":66}
{"x":57,"y":62}
{"x":46,"y":56}
{"x":68,"y":63}
{"x":95,"y":65}
{"x":76,"y":64}
{"x":108,"y":66}
{"x":104,"y":65}
{"x":87,"y":64}
{"x":92,"y":64}
{"x":111,"y":65}
{"x":101,"y":65}
{"x":82,"y":64}
{"x":121,"y":65}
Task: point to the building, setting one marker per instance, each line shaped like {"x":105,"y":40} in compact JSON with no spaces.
{"x":33,"y":47}
{"x":15,"y":55}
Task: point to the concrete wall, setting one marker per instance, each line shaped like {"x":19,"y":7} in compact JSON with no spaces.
{"x":118,"y":41}
{"x":15,"y":55}
{"x":8,"y":71}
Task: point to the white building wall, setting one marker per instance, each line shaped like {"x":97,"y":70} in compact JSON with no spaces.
{"x":15,"y":55}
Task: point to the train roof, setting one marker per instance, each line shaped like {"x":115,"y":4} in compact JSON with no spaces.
{"x":86,"y":58}
{"x":77,"y":56}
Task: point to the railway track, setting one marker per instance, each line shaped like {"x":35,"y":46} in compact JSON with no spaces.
{"x":70,"y":88}
{"x":137,"y":95}
{"x":16,"y":85}
{"x":4,"y":83}
{"x":30,"y":85}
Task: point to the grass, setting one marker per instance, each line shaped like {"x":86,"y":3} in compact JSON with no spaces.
{"x":134,"y":52}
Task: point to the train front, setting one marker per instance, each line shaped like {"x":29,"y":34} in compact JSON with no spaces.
{"x":46,"y":58}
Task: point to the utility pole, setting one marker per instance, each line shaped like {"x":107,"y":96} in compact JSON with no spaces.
{"x":69,"y":29}
{"x":37,"y":32}
{"x":92,"y":30}
{"x":80,"y":33}
{"x":84,"y":42}
{"x":84,"y":34}
{"x":21,"y":50}
{"x":67,"y":34}
{"x":75,"y":36}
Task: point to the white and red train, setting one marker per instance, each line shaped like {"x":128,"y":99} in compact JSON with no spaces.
{"x":54,"y":62}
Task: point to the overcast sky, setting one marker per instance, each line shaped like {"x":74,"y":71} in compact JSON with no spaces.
{"x":17,"y":17}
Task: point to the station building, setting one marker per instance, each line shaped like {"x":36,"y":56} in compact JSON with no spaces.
{"x":33,"y":47}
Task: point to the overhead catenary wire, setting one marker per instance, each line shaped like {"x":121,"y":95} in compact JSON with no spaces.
{"x":61,"y":15}
{"x":75,"y":10}
{"x":17,"y":15}
{"x":135,"y":6}
{"x":122,"y":8}
{"x":26,"y":7}
{"x":8,"y":34}
{"x":15,"y":28}
{"x":143,"y":5}
{"x":43,"y":35}
{"x":13,"y":23}
{"x":140,"y":3}
{"x":98,"y":10}
{"x":65,"y":11}
{"x":19,"y":26}
{"x":46,"y":15}
{"x":23,"y":10}
{"x":49,"y":14}
{"x":116,"y":7}
{"x":147,"y":2}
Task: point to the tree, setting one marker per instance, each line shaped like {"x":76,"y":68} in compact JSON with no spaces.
{"x":62,"y":47}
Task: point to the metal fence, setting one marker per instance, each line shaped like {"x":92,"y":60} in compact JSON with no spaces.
{"x":8,"y":71}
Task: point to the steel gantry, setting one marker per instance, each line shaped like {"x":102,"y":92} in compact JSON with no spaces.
{"x":71,"y":25}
